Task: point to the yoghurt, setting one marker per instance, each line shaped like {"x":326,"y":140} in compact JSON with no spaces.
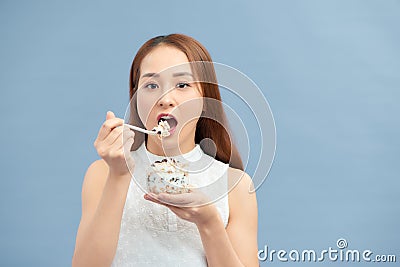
{"x":167,"y":176}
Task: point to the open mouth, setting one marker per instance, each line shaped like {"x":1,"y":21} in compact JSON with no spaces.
{"x":170,"y":119}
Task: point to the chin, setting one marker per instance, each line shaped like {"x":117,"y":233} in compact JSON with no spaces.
{"x":173,"y":142}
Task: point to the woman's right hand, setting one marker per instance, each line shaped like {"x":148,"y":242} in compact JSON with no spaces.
{"x":113,"y":144}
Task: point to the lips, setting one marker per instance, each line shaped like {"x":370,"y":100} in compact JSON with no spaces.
{"x":172,"y":121}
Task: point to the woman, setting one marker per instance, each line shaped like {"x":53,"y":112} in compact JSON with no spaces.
{"x":120,"y":225}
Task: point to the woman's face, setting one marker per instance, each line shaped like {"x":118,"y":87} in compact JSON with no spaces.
{"x":167,"y":90}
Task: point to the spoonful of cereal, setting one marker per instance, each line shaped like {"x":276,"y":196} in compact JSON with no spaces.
{"x":162,"y":129}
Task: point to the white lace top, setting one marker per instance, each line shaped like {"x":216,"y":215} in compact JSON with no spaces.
{"x":151,"y":234}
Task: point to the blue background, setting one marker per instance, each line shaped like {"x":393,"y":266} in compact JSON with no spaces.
{"x":329,"y":69}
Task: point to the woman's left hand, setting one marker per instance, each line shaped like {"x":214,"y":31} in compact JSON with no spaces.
{"x":193,"y":206}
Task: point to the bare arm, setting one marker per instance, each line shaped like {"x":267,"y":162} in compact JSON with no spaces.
{"x":103,"y":199}
{"x":237,"y":244}
{"x":104,"y":191}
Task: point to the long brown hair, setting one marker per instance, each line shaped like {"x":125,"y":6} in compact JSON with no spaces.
{"x":213,"y":123}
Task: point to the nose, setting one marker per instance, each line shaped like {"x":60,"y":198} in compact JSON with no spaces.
{"x":167,"y":100}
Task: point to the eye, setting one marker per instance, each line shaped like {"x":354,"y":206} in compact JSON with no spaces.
{"x":151,"y":86}
{"x":182,"y":85}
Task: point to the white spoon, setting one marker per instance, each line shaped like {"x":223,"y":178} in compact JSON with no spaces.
{"x":140,"y":129}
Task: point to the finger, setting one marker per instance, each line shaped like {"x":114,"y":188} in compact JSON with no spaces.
{"x":110,"y":115}
{"x":128,"y":137}
{"x":123,"y":135}
{"x":128,"y":131}
{"x":125,"y":149}
{"x":150,"y":197}
{"x":117,"y":148}
{"x":113,"y":137}
{"x":176,"y":199}
{"x":108,"y":126}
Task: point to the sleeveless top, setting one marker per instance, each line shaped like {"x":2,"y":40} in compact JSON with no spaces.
{"x":151,"y":234}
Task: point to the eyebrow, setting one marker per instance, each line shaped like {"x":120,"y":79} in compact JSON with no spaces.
{"x":177,"y":74}
{"x":150,"y":74}
{"x":182,"y":74}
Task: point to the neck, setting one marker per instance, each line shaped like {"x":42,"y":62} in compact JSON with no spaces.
{"x":157,"y":147}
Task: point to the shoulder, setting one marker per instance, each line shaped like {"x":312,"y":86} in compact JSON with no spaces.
{"x":241,"y":192}
{"x":239,"y":181}
{"x":98,"y":165}
{"x":94,"y":181}
{"x":96,"y":171}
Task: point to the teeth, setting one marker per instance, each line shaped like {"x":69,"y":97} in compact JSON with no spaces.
{"x":164,"y":118}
